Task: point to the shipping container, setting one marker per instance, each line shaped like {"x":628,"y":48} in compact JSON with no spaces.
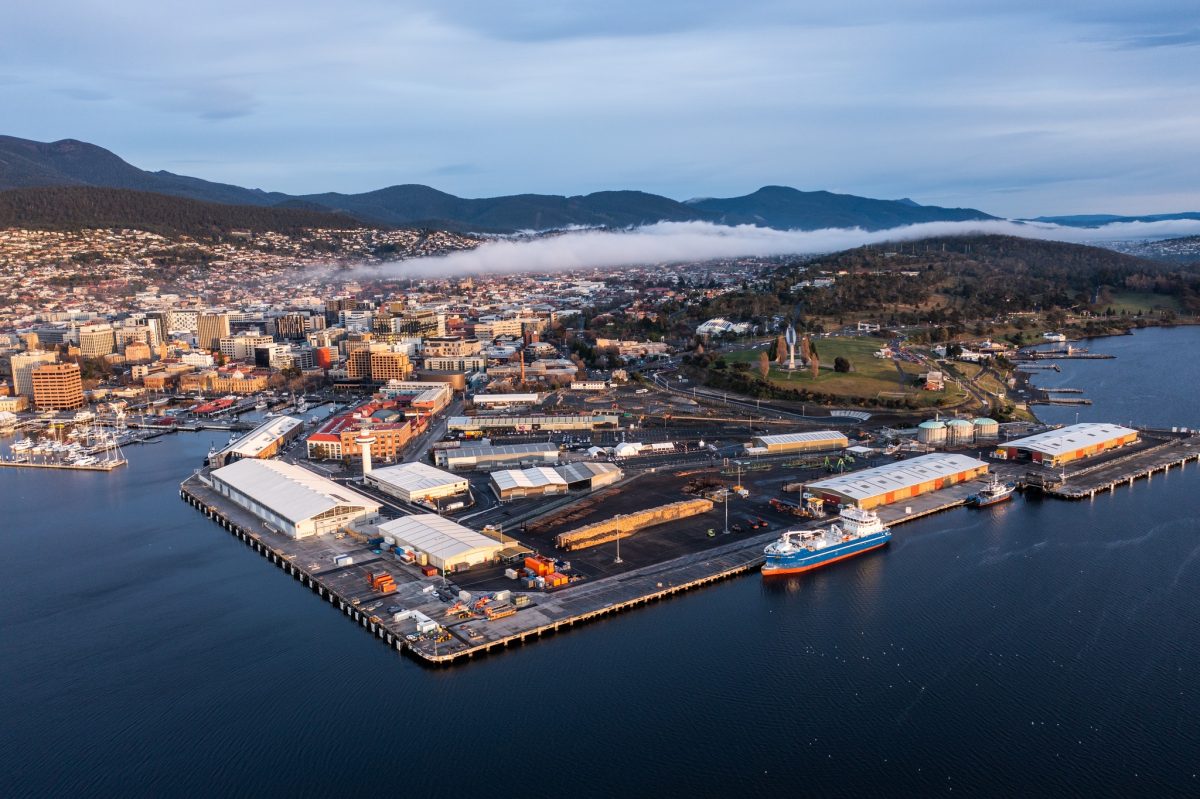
{"x":343,"y":560}
{"x":521,"y":600}
{"x":502,"y":596}
{"x":539,"y":566}
{"x":510,"y":574}
{"x":465,"y":596}
{"x":429,"y":571}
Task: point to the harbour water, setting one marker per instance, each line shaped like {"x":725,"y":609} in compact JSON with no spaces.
{"x":1037,"y":647}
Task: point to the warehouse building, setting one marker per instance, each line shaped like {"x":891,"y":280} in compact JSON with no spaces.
{"x":289,"y":498}
{"x":529,"y":423}
{"x":588,"y":476}
{"x":417,"y":482}
{"x":264,"y":441}
{"x":540,"y":481}
{"x":447,"y":544}
{"x":501,"y":401}
{"x":1058,"y":447}
{"x":785,"y":443}
{"x":485,"y":457}
{"x":898,"y":481}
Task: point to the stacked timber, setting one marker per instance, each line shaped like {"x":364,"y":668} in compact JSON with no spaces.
{"x":628,"y":523}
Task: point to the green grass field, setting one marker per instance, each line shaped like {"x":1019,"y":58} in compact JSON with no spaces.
{"x":1144,"y":302}
{"x":870,"y":377}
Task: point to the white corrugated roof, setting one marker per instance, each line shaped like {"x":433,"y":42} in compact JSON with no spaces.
{"x":1070,"y":438}
{"x":510,"y":449}
{"x":415,"y":477}
{"x":484,"y":399}
{"x":292,"y":492}
{"x":896,"y":476}
{"x":437,"y":535}
{"x":538,"y":477}
{"x":584,"y":470}
{"x":263,"y":436}
{"x":802,"y":438}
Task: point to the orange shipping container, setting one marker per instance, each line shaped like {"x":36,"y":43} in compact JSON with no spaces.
{"x":539,"y":566}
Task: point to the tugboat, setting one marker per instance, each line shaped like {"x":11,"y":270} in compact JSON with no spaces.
{"x":991,"y":494}
{"x":855,"y":532}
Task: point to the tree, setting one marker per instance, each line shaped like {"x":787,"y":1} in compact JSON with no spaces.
{"x":840,"y":364}
{"x":764,"y":364}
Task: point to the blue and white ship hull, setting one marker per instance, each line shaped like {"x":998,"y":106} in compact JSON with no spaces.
{"x":856,"y":531}
{"x":805,"y":560}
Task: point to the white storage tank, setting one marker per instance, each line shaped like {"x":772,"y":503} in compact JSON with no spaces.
{"x":959,"y":432}
{"x":931,"y":432}
{"x":986,"y":429}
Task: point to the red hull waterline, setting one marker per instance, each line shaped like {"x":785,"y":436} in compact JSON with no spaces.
{"x":778,"y":572}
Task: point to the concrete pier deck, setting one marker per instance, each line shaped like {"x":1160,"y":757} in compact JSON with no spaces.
{"x":1090,"y":480}
{"x":311,"y":562}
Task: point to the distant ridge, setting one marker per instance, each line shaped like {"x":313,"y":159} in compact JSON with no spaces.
{"x":1098,"y":220}
{"x":80,"y":207}
{"x":69,"y":162}
{"x":787,"y":208}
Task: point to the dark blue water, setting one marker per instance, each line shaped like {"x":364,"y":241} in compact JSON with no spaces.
{"x":1035,"y":648}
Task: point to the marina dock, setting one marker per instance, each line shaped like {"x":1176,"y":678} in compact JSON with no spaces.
{"x":100,"y":466}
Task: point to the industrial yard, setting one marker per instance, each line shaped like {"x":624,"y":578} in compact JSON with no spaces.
{"x":653,"y":534}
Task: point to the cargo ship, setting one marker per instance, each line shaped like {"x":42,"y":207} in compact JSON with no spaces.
{"x":856,"y":531}
{"x":992,"y":493}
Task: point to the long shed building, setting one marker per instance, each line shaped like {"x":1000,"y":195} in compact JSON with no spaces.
{"x":290,"y":498}
{"x":1066,"y":444}
{"x":449,"y":545}
{"x":898,"y":481}
{"x":264,"y":441}
{"x":542,"y":480}
{"x":483,"y":457}
{"x":814,"y":441}
{"x":417,"y":482}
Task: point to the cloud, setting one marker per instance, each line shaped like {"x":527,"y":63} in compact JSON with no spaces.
{"x":1018,"y":107}
{"x":683,"y":242}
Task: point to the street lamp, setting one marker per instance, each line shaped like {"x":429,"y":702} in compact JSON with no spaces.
{"x":727,"y":494}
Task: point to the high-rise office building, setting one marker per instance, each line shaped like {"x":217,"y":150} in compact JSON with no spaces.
{"x":23,"y":364}
{"x":211,"y":328}
{"x":96,"y":341}
{"x":57,"y":386}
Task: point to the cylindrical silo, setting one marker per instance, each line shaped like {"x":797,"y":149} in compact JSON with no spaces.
{"x":931,"y":432}
{"x":987,"y":429}
{"x":959,"y":432}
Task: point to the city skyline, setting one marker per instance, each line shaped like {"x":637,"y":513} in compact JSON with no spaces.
{"x":1011,"y":108}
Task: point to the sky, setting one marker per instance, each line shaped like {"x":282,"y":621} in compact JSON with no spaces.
{"x":1015,"y":107}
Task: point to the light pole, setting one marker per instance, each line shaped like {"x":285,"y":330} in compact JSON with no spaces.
{"x":727,"y":495}
{"x":618,"y":558}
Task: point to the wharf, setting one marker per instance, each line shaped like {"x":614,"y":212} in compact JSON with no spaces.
{"x":1107,"y":476}
{"x":1060,"y":401}
{"x":1057,"y":355}
{"x":311,"y":562}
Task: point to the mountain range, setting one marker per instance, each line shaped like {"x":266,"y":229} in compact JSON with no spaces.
{"x":26,"y":164}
